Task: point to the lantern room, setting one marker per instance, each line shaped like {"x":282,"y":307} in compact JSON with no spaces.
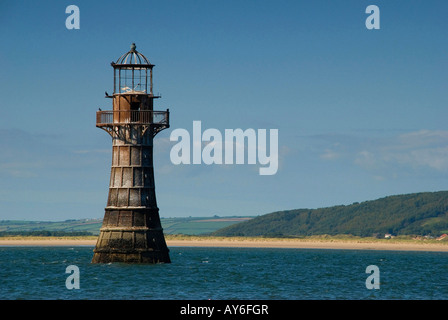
{"x":133,"y":98}
{"x":132,"y":73}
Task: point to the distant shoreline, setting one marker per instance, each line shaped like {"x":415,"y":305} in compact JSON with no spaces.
{"x":173,"y":241}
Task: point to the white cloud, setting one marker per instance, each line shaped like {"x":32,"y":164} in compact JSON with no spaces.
{"x":86,"y":151}
{"x":330,"y":154}
{"x":412,"y":151}
{"x":432,"y":157}
{"x":20,"y":169}
{"x":365,"y":159}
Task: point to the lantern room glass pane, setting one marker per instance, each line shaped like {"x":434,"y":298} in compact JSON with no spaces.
{"x":131,"y":80}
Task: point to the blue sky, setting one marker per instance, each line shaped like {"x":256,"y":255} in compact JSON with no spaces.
{"x":361,"y":114}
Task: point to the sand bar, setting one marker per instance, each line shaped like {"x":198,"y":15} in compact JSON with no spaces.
{"x":46,"y":242}
{"x":251,"y":243}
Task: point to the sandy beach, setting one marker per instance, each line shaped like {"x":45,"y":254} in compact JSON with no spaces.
{"x":252,"y":243}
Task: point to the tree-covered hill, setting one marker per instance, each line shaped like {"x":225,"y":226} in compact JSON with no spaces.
{"x":410,"y":214}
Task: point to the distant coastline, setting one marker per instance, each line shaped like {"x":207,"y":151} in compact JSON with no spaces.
{"x":241,"y":242}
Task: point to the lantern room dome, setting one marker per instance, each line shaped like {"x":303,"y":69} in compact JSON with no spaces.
{"x":131,"y":73}
{"x":132,"y":57}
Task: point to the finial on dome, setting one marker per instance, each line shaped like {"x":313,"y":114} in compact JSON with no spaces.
{"x":133,"y":47}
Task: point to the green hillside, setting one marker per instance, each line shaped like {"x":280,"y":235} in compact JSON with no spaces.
{"x":198,"y":226}
{"x":411,"y":214}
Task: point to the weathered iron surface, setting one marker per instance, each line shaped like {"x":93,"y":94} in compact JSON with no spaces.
{"x":131,"y":230}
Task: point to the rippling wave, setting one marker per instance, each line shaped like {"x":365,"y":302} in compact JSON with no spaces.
{"x":225,"y":273}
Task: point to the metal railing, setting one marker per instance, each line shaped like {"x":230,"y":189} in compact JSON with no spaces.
{"x":142,"y":117}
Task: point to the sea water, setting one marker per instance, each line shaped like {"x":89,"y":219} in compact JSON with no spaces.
{"x":224,"y":274}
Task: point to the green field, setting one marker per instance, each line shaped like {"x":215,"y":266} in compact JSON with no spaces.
{"x":198,"y":226}
{"x":186,"y":226}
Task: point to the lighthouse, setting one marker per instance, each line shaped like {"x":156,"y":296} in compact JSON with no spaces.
{"x":131,"y":231}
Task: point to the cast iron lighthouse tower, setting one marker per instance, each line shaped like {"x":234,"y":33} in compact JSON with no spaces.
{"x":131,"y":230}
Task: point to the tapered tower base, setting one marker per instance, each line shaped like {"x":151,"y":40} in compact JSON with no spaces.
{"x":119,"y":247}
{"x":131,"y":236}
{"x":131,"y":256}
